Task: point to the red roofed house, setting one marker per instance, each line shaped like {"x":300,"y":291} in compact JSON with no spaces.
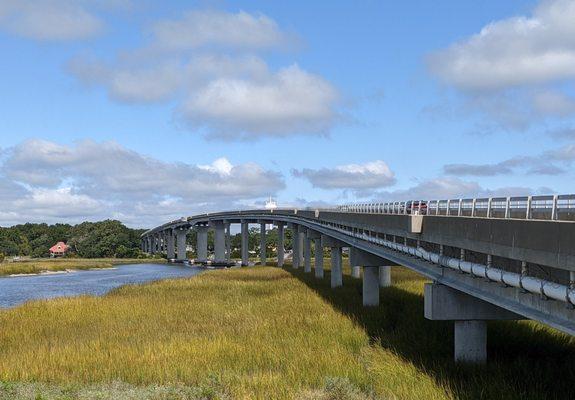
{"x":59,"y":249}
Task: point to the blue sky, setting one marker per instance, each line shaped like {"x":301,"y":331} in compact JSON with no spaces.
{"x":146,"y":111}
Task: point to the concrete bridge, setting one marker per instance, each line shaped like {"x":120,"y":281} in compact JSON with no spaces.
{"x":488,"y":259}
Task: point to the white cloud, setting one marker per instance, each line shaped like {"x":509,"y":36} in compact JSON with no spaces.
{"x":222,"y":89}
{"x":515,"y":70}
{"x":515,"y":51}
{"x":103,"y":180}
{"x":371,"y":175}
{"x":290,"y":102}
{"x":550,"y":162}
{"x":147,"y":81}
{"x":54,"y":20}
{"x":211,"y":27}
{"x":453,"y":188}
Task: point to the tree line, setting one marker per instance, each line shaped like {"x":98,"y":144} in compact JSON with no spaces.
{"x":102,"y":239}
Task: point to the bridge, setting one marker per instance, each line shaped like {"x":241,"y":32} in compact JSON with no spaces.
{"x":487,"y":259}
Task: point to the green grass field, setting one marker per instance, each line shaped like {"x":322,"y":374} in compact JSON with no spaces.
{"x":265,"y":333}
{"x":36,"y":266}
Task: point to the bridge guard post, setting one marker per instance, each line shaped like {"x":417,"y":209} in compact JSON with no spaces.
{"x":316,"y":237}
{"x":336,"y":262}
{"x":202,"y":243}
{"x":181,"y":244}
{"x":245,"y":243}
{"x":469,"y":315}
{"x":280,"y":244}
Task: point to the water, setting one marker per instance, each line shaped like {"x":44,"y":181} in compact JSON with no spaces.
{"x":19,"y":289}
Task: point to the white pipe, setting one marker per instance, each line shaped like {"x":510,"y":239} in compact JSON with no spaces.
{"x":531,"y":284}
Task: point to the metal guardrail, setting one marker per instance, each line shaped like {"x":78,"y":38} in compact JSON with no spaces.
{"x":548,"y":207}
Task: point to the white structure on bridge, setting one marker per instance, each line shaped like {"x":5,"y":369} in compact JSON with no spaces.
{"x":492,"y":259}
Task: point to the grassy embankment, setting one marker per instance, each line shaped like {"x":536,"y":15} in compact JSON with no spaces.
{"x":36,"y":266}
{"x":265,"y":333}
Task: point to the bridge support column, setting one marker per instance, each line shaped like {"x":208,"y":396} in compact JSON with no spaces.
{"x":370,"y":286}
{"x":307,"y":255}
{"x":202,"y":243}
{"x":336,"y":268}
{"x":181,"y":245}
{"x":385,"y":276}
{"x":295,"y":246}
{"x":371,"y":274}
{"x":245,"y":243}
{"x":470,"y":315}
{"x":263,"y":244}
{"x":336,"y":261}
{"x":228,"y":241}
{"x":280,"y":244}
{"x":156,"y":244}
{"x":316,"y":237}
{"x":171,"y":252}
{"x":355,"y":267}
{"x":301,"y":245}
{"x":219,"y":242}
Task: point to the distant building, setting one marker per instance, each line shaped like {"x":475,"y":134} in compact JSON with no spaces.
{"x":59,"y":249}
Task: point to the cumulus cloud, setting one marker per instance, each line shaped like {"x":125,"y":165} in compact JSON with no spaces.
{"x":212,"y":27}
{"x":371,"y":175}
{"x":289,"y":102}
{"x":65,"y":182}
{"x":515,"y":51}
{"x":222,"y":88}
{"x":550,"y":162}
{"x":513,"y":69}
{"x":54,"y":20}
{"x":453,"y":188}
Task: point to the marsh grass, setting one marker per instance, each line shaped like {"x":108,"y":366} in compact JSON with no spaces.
{"x":36,"y":266}
{"x":268,"y":333}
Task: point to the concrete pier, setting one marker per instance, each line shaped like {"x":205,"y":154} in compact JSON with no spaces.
{"x":469,"y":315}
{"x":181,"y":244}
{"x":295,"y":246}
{"x":355,"y":267}
{"x":171,"y":250}
{"x":219,"y":242}
{"x":336,"y":260}
{"x":470,"y":341}
{"x":280,"y":245}
{"x":202,"y":243}
{"x":318,"y":250}
{"x":307,"y":255}
{"x":245,"y":243}
{"x":300,"y":244}
{"x":336,"y":269}
{"x":384,"y":276}
{"x":263,"y":244}
{"x":228,"y":241}
{"x":370,"y":286}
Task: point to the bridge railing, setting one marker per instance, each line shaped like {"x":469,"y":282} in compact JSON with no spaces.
{"x":547,"y":207}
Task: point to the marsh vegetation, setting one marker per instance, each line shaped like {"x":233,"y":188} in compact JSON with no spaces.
{"x":264,"y":333}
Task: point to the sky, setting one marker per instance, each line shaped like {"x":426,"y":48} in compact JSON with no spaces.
{"x":146,"y":111}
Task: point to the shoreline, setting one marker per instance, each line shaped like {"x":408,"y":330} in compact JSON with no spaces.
{"x":63,"y":266}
